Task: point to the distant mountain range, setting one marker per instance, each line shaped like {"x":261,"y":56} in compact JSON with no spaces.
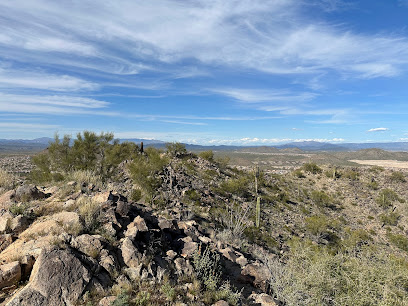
{"x":39,"y":144}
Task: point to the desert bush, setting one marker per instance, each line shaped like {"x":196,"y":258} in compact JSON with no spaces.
{"x":208,"y":271}
{"x":136,"y":194}
{"x":376,"y":169}
{"x":312,"y":168}
{"x":387,"y":197}
{"x":100,"y":154}
{"x":313,"y":275}
{"x":351,"y":174}
{"x":400,"y":241}
{"x":398,"y":177}
{"x":298,"y":173}
{"x":84,"y":177}
{"x":237,"y":186}
{"x":176,"y":149}
{"x":235,"y":221}
{"x":317,"y":224}
{"x":373,"y":185}
{"x":90,"y":212}
{"x":208,"y":155}
{"x":145,"y":169}
{"x":321,"y":199}
{"x":390,"y":218}
{"x":7,"y":180}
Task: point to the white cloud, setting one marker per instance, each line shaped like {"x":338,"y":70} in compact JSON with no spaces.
{"x":62,"y":105}
{"x":12,"y":78}
{"x":380,"y":129}
{"x":126,"y":37}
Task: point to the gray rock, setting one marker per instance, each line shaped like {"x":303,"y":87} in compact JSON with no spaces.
{"x":29,"y":192}
{"x":10,"y":274}
{"x":130,"y":254}
{"x":58,"y":278}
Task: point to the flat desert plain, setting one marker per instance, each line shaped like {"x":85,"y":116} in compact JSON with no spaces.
{"x":383,"y":163}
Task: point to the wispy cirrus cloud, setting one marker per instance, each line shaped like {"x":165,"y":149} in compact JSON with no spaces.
{"x":127,"y":37}
{"x":380,"y":129}
{"x":23,"y":79}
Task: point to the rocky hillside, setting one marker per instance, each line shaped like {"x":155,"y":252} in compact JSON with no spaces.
{"x":175,"y":228}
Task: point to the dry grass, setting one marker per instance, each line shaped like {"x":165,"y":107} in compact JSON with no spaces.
{"x":84,"y":176}
{"x":7,"y":180}
{"x":314,"y":276}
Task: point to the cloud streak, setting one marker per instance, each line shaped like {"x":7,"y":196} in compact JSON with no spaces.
{"x":380,"y":129}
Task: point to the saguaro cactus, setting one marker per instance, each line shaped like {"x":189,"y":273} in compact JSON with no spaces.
{"x":258,"y":211}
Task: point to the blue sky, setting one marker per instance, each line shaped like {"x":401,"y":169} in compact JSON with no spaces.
{"x":243,"y":72}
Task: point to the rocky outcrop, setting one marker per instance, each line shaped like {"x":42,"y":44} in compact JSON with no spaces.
{"x":58,"y":278}
{"x":28,"y":193}
{"x":10,"y":274}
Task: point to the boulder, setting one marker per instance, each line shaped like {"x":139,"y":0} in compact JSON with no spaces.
{"x":189,"y":247}
{"x":5,"y":221}
{"x":257,"y":273}
{"x":6,"y":199}
{"x":107,"y":301}
{"x":5,"y":241}
{"x":10,"y":274}
{"x":220,"y":303}
{"x":29,"y":192}
{"x":58,"y":278}
{"x":183,"y":267}
{"x":89,"y":245}
{"x":263,"y":299}
{"x":130,"y":254}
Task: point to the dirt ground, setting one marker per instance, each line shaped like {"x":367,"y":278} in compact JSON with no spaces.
{"x":383,"y":163}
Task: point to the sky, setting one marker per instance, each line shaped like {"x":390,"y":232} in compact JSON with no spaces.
{"x":211,"y":72}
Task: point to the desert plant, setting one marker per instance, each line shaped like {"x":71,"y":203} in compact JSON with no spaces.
{"x":7,"y":180}
{"x":258,"y":211}
{"x":176,"y":149}
{"x":207,"y":267}
{"x":321,"y":199}
{"x":398,"y":177}
{"x":387,"y":197}
{"x":208,"y":155}
{"x":298,"y":173}
{"x":390,"y":218}
{"x":312,"y":168}
{"x":313,"y":275}
{"x":235,"y":221}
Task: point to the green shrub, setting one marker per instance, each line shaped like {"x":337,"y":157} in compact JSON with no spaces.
{"x":400,"y":241}
{"x":321,"y":199}
{"x":373,"y":185}
{"x":208,"y":155}
{"x":376,"y":169}
{"x":207,"y":267}
{"x":237,"y":186}
{"x":176,"y":149}
{"x":145,"y":169}
{"x":313,"y":275}
{"x":312,"y":168}
{"x":397,"y":177}
{"x":317,"y":224}
{"x":298,"y":173}
{"x":7,"y":180}
{"x":387,"y":197}
{"x":351,"y":174}
{"x":136,"y":194}
{"x":390,"y":219}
